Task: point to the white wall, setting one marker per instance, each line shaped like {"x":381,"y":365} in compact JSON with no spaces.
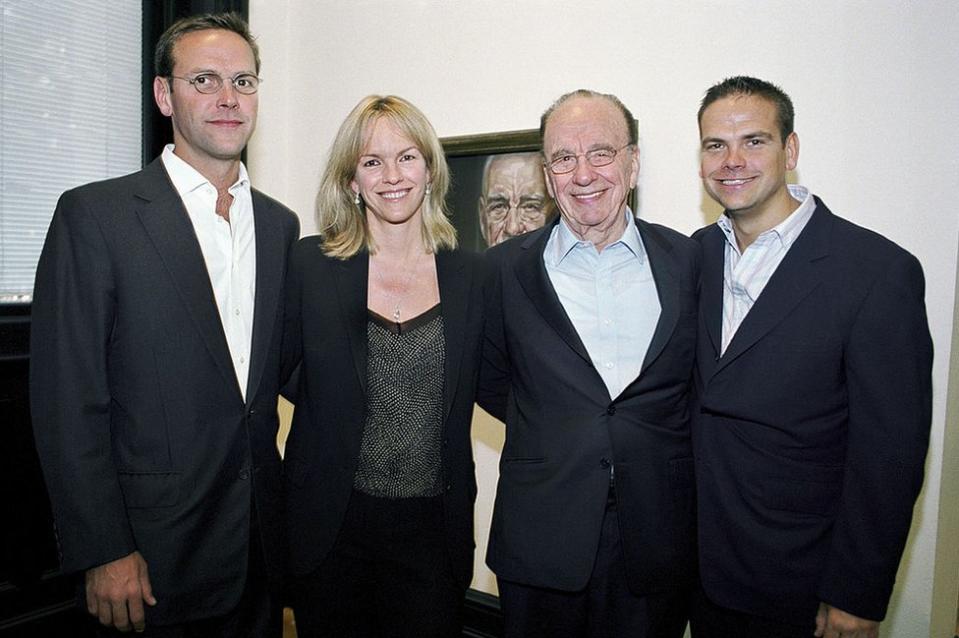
{"x":876,"y":99}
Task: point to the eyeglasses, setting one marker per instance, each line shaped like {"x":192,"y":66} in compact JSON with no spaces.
{"x":209,"y":83}
{"x":596,"y":158}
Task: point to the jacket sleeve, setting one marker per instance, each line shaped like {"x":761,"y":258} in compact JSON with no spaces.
{"x":494,"y":379}
{"x":888,"y":369}
{"x":71,"y":336}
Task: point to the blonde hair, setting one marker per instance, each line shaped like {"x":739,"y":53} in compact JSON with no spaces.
{"x":343,"y":223}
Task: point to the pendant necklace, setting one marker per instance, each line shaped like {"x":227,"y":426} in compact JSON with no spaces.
{"x":398,"y":295}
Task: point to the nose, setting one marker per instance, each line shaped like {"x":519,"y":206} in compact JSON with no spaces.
{"x":583,"y":173}
{"x":391,"y":173}
{"x":514,"y":222}
{"x":227,"y":95}
{"x":734,"y":158}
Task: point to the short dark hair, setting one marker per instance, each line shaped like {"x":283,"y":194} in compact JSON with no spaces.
{"x":745,"y":85}
{"x":163,"y":55}
{"x":631,"y":127}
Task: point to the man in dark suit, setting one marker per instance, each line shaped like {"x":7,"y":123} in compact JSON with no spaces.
{"x":155,"y":357}
{"x":813,"y":379}
{"x":589,"y":349}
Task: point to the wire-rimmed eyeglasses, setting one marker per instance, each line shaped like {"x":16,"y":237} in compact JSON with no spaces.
{"x":208,"y":83}
{"x":596,"y":158}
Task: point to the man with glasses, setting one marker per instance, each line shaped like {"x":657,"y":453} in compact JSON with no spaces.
{"x":513,"y":197}
{"x":591,"y":330}
{"x":155,"y":351}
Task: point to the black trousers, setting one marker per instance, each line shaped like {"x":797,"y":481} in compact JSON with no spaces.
{"x":259,"y":613}
{"x":388,"y":575}
{"x":606,"y":608}
{"x":712,"y":621}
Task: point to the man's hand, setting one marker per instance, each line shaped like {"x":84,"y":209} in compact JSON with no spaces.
{"x":116,"y":591}
{"x":836,"y":623}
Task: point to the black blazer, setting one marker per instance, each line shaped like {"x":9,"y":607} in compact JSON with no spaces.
{"x":145,"y":439}
{"x":325,"y":333}
{"x":812,"y":428}
{"x":563,"y":429}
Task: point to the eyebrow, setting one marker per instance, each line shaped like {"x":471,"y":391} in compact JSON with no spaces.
{"x":745,"y":136}
{"x":403,"y":152}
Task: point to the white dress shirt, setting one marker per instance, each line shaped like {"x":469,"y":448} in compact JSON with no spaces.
{"x":229,"y":250}
{"x":609,"y":296}
{"x":745,"y":274}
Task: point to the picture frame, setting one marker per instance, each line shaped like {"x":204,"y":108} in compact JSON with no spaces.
{"x":467,"y":156}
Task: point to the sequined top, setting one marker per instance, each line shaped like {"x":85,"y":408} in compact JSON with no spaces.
{"x":401,"y":452}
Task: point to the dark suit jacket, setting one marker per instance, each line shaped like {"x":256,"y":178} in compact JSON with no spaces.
{"x":812,"y":428}
{"x":326,"y":334}
{"x":145,"y":439}
{"x":563,"y":429}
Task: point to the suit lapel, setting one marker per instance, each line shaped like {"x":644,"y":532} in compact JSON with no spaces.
{"x":531,"y":272}
{"x":166,"y":221}
{"x":711,"y":306}
{"x":797,"y":275}
{"x":270,"y":258}
{"x":351,"y":280}
{"x":455,"y":285}
{"x":667,"y":287}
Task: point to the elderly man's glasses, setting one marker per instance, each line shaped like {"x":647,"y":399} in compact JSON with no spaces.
{"x":208,"y":83}
{"x":596,"y":158}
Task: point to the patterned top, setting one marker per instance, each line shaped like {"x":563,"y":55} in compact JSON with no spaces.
{"x":401,"y":452}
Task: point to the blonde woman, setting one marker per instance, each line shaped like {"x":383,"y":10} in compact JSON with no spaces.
{"x":384,"y":317}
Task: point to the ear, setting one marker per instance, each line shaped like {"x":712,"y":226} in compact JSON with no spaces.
{"x":547,"y":175}
{"x":634,"y":166}
{"x":161,"y":93}
{"x":792,"y":151}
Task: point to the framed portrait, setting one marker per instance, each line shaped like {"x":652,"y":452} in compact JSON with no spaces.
{"x":497,"y":186}
{"x":498,"y":189}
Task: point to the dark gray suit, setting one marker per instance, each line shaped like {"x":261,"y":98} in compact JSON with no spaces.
{"x":563,"y":430}
{"x":812,"y":427}
{"x":143,"y":433}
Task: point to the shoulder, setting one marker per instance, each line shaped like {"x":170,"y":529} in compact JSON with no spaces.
{"x":669,"y":241}
{"x":509,"y":250}
{"x":107,"y":189}
{"x":266,"y":204}
{"x":865,"y":253}
{"x":310,"y":249}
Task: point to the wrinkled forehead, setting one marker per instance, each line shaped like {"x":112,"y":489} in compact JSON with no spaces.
{"x":527,"y":167}
{"x":585,"y":121}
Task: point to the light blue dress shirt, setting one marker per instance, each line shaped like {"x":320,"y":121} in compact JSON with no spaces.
{"x":609,"y":296}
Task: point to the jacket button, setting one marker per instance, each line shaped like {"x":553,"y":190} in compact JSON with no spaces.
{"x":244,"y":475}
{"x":605,"y":463}
{"x":611,"y":410}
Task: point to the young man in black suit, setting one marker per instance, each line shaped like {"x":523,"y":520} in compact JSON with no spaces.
{"x":154,"y":362}
{"x":813,"y":380}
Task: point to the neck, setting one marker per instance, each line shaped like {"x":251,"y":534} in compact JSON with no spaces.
{"x":221,"y":173}
{"x":750,"y":224}
{"x":601,"y":235}
{"x":397,"y":241}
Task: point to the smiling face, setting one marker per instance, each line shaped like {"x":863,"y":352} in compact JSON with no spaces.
{"x":591,"y":199}
{"x":209,"y":129}
{"x":514,"y":200}
{"x":743,"y":160}
{"x":391,"y":176}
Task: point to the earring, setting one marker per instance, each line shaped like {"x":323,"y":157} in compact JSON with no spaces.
{"x":429,"y":188}
{"x":356,"y":198}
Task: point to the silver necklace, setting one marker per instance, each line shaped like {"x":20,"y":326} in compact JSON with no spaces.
{"x":398,"y":295}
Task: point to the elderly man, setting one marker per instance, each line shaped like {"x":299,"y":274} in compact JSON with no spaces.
{"x":814,"y":387}
{"x":155,"y":354}
{"x":513,"y":200}
{"x":591,"y":329}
